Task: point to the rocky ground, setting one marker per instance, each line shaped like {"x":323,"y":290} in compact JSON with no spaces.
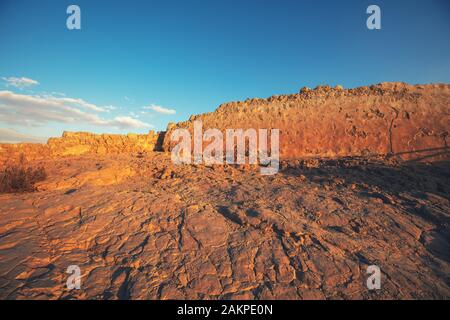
{"x":141,"y":228}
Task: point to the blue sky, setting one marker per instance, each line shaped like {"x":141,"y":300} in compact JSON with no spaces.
{"x":191,"y":56}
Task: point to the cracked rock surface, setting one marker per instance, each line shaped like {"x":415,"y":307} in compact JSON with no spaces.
{"x":140,"y":227}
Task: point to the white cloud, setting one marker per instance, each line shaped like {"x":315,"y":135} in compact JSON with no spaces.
{"x":20,"y":83}
{"x":12,"y":136}
{"x":29,"y":110}
{"x":74,"y":102}
{"x":110,"y":108}
{"x":160,"y":109}
{"x":128,"y":122}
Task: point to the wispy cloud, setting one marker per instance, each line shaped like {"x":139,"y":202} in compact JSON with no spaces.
{"x":29,"y":110}
{"x":20,"y":83}
{"x":110,"y":108}
{"x":160,"y":109}
{"x":128,"y":122}
{"x":12,"y":136}
{"x":74,"y":102}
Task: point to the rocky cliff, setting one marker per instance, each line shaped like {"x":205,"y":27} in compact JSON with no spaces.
{"x":406,"y":121}
{"x":79,"y":143}
{"x":76,"y":143}
{"x":389,"y":118}
{"x":30,"y":151}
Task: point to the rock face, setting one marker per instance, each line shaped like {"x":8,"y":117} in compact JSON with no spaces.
{"x":389,"y":118}
{"x":79,"y":143}
{"x":397,"y":119}
{"x":31,"y":151}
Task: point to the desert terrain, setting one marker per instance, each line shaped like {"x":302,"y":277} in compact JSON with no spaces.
{"x":364,"y":180}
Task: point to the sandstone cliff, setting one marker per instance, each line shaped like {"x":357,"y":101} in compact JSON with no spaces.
{"x":76,"y":143}
{"x":79,"y":143}
{"x":30,"y":151}
{"x":389,"y":118}
{"x":406,"y":121}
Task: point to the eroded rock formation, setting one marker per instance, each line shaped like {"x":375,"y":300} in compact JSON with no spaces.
{"x":79,"y":143}
{"x":76,"y":143}
{"x":388,"y":118}
{"x":140,"y":227}
{"x":406,"y":121}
